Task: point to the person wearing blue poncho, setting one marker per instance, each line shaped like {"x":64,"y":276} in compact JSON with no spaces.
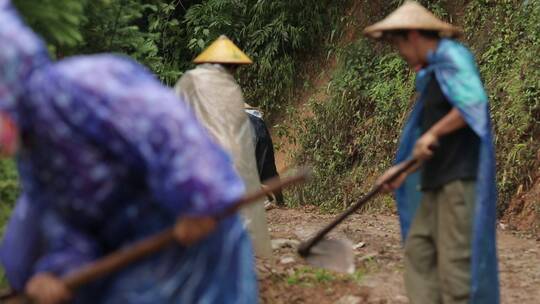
{"x":107,"y":156}
{"x":447,"y":209}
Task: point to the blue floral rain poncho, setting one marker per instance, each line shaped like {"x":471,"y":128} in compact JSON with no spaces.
{"x":109,"y":156}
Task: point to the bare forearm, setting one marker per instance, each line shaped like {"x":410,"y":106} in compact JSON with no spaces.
{"x":451,"y":122}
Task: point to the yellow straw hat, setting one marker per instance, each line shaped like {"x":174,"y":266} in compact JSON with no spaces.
{"x":223,"y":50}
{"x":411,"y":16}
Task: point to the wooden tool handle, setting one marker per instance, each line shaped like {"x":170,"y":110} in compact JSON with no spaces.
{"x":118,"y":259}
{"x":271,"y":186}
{"x":305,"y":248}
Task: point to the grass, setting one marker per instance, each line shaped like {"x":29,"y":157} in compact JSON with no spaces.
{"x":9,"y":190}
{"x":308,"y":276}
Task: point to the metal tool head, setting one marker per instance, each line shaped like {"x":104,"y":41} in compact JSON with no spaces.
{"x":332,"y":254}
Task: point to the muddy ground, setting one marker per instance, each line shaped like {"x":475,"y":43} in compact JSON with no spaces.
{"x":379,"y":271}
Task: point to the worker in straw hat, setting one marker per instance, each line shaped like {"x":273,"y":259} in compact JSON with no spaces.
{"x":216,"y":98}
{"x":447,"y":209}
{"x":264,"y":153}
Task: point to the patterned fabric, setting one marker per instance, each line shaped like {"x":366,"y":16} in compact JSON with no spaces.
{"x":457,"y":74}
{"x":21,"y":53}
{"x":108,"y":157}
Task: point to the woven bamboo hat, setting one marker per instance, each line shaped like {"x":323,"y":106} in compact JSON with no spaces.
{"x":223,"y":50}
{"x":411,"y":16}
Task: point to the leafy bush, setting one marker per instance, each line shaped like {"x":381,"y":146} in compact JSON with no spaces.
{"x":57,"y":21}
{"x":9,"y":190}
{"x":354,"y":134}
{"x":506,"y":39}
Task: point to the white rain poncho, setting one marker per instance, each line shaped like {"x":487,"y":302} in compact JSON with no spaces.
{"x":217,"y":101}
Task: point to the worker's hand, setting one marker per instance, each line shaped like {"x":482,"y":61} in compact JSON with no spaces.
{"x":9,"y":136}
{"x":423,"y":149}
{"x":396,"y":183}
{"x":45,"y":288}
{"x":189,"y":230}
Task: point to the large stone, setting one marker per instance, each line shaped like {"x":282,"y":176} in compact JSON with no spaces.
{"x":349,"y":300}
{"x":284,"y":243}
{"x":401,"y":299}
{"x":287,"y":260}
{"x":359,"y":245}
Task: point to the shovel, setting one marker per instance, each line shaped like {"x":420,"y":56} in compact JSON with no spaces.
{"x":337,"y":255}
{"x":127,"y":255}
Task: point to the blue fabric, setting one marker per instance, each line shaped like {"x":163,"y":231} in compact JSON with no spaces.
{"x":454,"y":67}
{"x":108,"y":157}
{"x":18,"y":267}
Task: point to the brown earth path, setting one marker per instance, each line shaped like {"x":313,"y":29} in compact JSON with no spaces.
{"x":378,"y":278}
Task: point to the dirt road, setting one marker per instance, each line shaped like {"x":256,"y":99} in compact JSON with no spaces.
{"x":378,"y":278}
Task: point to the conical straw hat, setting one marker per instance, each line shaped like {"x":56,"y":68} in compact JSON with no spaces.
{"x":223,"y":50}
{"x":411,"y":16}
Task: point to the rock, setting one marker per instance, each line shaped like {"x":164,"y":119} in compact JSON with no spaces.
{"x":329,"y":291}
{"x":269,"y":206}
{"x":368,"y":257}
{"x":359,"y":245}
{"x":287,"y":260}
{"x":349,"y":300}
{"x":401,"y":299}
{"x":304,"y":233}
{"x":284,"y":243}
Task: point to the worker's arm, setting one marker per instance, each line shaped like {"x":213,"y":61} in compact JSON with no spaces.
{"x":423,"y":149}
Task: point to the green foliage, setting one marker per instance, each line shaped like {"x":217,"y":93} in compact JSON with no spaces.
{"x":148,"y":31}
{"x":506,"y":39}
{"x":166,"y":35}
{"x":368,"y":92}
{"x":57,"y":21}
{"x":9,"y":190}
{"x":359,"y":275}
{"x":309,"y":276}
